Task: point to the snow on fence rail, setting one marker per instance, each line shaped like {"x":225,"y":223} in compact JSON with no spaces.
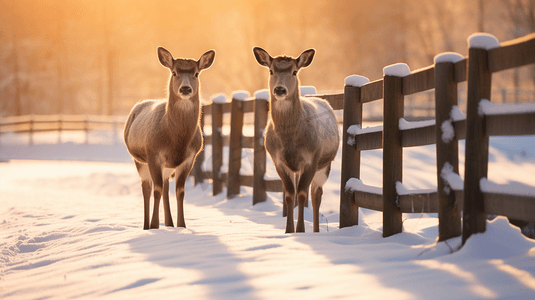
{"x":482,"y":120}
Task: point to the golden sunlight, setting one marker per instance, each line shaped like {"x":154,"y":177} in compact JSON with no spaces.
{"x":99,"y":57}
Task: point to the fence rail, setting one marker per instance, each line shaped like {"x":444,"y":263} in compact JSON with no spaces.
{"x":31,"y":124}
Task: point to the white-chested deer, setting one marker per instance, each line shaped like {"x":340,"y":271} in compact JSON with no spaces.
{"x":164,"y":136}
{"x":301,"y":136}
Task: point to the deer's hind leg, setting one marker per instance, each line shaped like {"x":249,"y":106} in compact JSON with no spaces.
{"x":289,"y":196}
{"x":146,"y":188}
{"x":157,"y":179}
{"x":302,"y":192}
{"x":316,"y":189}
{"x":181,"y":175}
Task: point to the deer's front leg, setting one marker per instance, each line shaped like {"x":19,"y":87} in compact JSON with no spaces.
{"x":316,"y":193}
{"x":180,"y":183}
{"x":146,"y":188}
{"x":157,"y":179}
{"x":166,"y":208}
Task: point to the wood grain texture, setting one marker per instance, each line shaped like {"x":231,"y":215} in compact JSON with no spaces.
{"x":447,"y":151}
{"x":392,"y":154}
{"x":350,"y":156}
{"x":477,"y":143}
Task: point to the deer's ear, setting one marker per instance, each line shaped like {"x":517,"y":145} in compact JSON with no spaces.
{"x":305,"y":58}
{"x":165,"y":57}
{"x":262,"y":57}
{"x":206,"y":60}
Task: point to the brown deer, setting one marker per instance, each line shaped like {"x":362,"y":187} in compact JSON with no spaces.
{"x":301,"y":136}
{"x":164,"y":136}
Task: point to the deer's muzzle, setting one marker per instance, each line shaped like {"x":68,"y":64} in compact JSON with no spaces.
{"x":280,"y":91}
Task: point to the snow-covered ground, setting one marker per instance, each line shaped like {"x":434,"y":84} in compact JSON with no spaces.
{"x":71,"y":218}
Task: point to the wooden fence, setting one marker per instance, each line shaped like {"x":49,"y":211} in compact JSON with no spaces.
{"x":452,"y":195}
{"x":32,"y":124}
{"x":392,"y":199}
{"x":217,"y":140}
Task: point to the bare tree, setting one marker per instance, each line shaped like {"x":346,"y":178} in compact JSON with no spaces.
{"x":521,"y":14}
{"x":16,"y":73}
{"x":433,"y":25}
{"x":59,"y":45}
{"x":107,"y":61}
{"x":481,"y":16}
{"x":15,"y":35}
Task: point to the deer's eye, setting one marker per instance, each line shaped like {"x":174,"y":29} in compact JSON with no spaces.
{"x":197,"y":74}
{"x":295,"y":73}
{"x":270,"y":72}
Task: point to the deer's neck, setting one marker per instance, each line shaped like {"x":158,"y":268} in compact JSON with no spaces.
{"x":182,"y":117}
{"x":286,"y":114}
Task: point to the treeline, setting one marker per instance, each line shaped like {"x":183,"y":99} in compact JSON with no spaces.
{"x":99,"y":57}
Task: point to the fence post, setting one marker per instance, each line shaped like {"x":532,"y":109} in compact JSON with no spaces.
{"x":234,"y":156}
{"x":477,"y":142}
{"x":86,"y":128}
{"x":115,"y":130}
{"x":259,"y":164}
{"x":31,"y":129}
{"x":392,"y":153}
{"x":198,"y":176}
{"x":217,"y":147}
{"x":447,"y":150}
{"x":60,"y":128}
{"x":349,"y":211}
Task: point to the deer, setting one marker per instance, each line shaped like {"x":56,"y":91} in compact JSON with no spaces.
{"x":164,"y":136}
{"x":301,"y":135}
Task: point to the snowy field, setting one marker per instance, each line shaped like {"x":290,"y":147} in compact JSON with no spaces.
{"x":71,"y":217}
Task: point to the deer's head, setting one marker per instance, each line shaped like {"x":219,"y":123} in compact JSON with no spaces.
{"x":184,"y":82}
{"x":283,"y":71}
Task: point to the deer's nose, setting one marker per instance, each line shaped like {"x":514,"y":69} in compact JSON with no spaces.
{"x":279,"y":91}
{"x":185,"y":90}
